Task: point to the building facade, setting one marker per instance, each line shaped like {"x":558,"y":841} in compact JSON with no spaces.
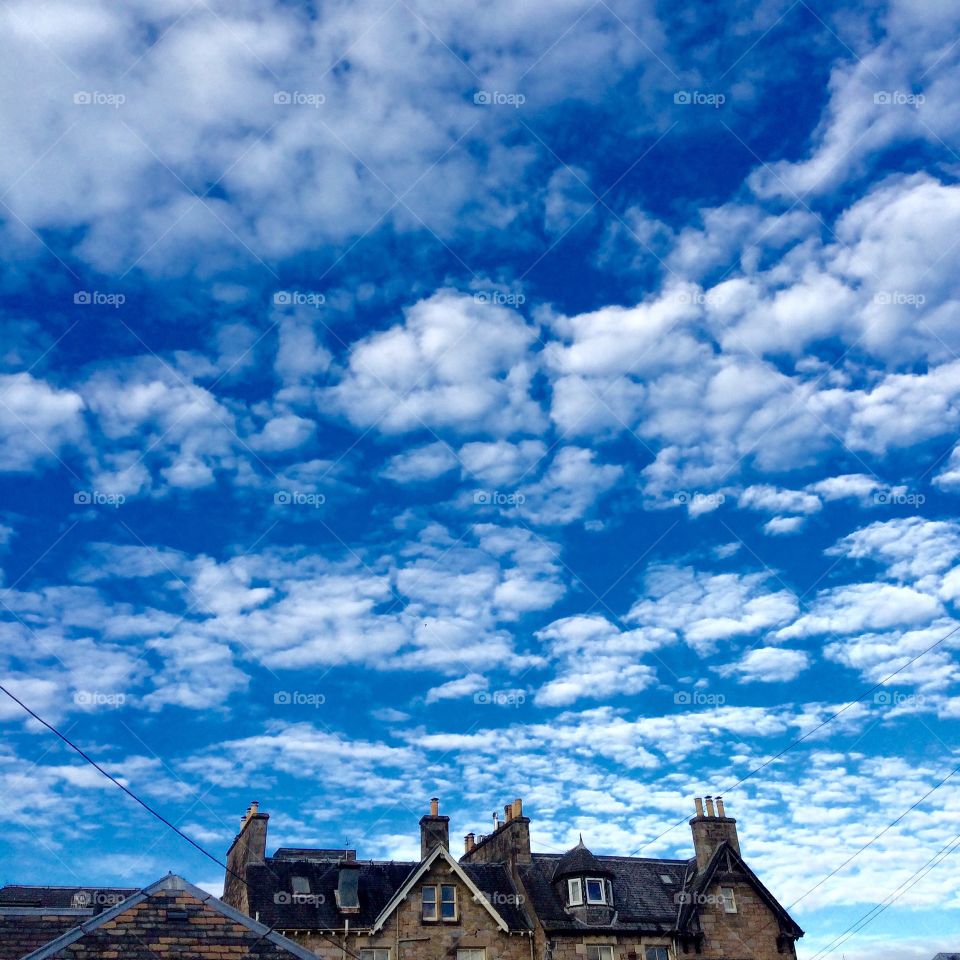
{"x":502,"y":900}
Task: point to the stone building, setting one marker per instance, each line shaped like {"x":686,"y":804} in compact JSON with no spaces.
{"x":501,"y":900}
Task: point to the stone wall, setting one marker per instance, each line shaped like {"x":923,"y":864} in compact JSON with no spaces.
{"x":409,"y":937}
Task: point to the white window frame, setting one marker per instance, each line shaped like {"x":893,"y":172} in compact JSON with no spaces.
{"x":574,"y":892}
{"x":729,"y":900}
{"x":424,"y":903}
{"x":603,"y":890}
{"x":600,"y":951}
{"x":375,"y":953}
{"x":455,"y":902}
{"x":472,"y":953}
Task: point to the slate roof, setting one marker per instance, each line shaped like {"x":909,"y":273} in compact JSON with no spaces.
{"x":270,"y":890}
{"x":642,"y":900}
{"x":18,"y":895}
{"x":579,"y":860}
{"x":947,"y":956}
{"x":171,"y":918}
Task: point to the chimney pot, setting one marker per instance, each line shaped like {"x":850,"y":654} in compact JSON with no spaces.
{"x":434,"y":807}
{"x":710,"y":811}
{"x":254,"y":808}
{"x":518,"y":807}
{"x":698,"y":803}
{"x":720,"y":810}
{"x":469,"y":842}
{"x":507,"y":813}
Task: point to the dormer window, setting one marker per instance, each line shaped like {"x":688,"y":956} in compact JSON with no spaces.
{"x":300,"y":884}
{"x":595,"y":890}
{"x":575,"y":892}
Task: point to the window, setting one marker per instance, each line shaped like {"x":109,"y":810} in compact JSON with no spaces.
{"x":666,"y":878}
{"x":471,"y":953}
{"x":428,"y":898}
{"x":575,"y":892}
{"x":601,"y":952}
{"x":729,"y":903}
{"x":448,"y":902}
{"x":656,"y":953}
{"x":443,"y":909}
{"x":595,"y":891}
{"x":300,"y":884}
{"x":375,"y":953}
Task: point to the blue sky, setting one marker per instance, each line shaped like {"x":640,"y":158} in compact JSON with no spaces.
{"x":559,"y":400}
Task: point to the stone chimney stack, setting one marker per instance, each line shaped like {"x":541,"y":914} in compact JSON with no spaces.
{"x":508,"y":843}
{"x":434,"y":830}
{"x":248,"y":847}
{"x":711,"y":829}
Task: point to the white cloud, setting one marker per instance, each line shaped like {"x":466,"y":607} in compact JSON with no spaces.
{"x":863,"y":606}
{"x":457,"y":689}
{"x":912,"y":548}
{"x":453,"y":364}
{"x":37,"y":421}
{"x":501,"y":462}
{"x":596,"y":660}
{"x":421,"y":463}
{"x":570,"y":486}
{"x":775,"y":500}
{"x":767,"y":665}
{"x":784,"y":526}
{"x":707,"y":608}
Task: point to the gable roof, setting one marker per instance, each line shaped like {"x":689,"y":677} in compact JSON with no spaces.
{"x":439,"y":852}
{"x":727,"y":858}
{"x":108,"y":925}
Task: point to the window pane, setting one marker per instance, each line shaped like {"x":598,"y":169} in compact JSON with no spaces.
{"x":448,"y":902}
{"x":574,"y":892}
{"x":471,"y":953}
{"x":657,"y":953}
{"x":300,"y":884}
{"x":729,"y":903}
{"x":599,"y":952}
{"x":375,"y":953}
{"x":429,"y":903}
{"x":595,"y":891}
